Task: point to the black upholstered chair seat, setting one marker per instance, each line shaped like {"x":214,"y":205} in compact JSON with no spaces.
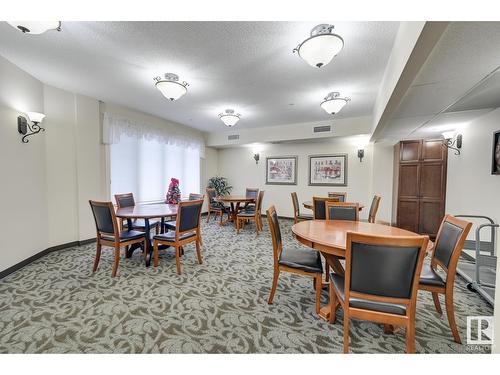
{"x":249,"y":208}
{"x":219,"y":206}
{"x":246,"y":214}
{"x":391,"y":308}
{"x":170,"y":236}
{"x":302,"y":259}
{"x":305,"y":216}
{"x":430,"y":277}
{"x":170,"y":224}
{"x":141,"y":224}
{"x":125,"y":235}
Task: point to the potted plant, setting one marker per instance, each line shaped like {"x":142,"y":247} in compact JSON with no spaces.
{"x":220,"y":184}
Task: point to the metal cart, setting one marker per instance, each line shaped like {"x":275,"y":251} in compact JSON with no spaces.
{"x":479,"y":270}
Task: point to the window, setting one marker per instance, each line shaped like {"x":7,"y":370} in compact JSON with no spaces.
{"x":145,"y":166}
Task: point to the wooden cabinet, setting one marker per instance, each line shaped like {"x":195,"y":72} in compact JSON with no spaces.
{"x":421,"y":185}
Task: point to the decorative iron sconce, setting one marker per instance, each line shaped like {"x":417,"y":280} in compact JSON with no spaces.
{"x":452,"y":142}
{"x":24,"y":127}
{"x":256,"y":157}
{"x":361,"y":154}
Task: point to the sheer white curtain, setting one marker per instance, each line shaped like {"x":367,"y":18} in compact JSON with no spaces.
{"x":143,"y":160}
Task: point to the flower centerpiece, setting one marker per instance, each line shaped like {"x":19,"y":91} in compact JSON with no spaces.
{"x":174,"y":193}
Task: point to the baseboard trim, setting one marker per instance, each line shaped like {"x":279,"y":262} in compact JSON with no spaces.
{"x":41,"y":254}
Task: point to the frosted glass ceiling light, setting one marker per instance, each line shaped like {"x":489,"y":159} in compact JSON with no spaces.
{"x":35,"y":27}
{"x":170,"y":87}
{"x":321,"y":47}
{"x":333,"y":104}
{"x":229,"y":118}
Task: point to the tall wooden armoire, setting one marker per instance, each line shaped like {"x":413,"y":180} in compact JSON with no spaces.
{"x":421,"y":185}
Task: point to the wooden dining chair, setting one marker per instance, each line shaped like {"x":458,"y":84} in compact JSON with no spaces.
{"x":373,"y":209}
{"x":319,"y":208}
{"x":297,"y":216}
{"x":299,"y":261}
{"x":187,"y":230}
{"x":109,"y":234}
{"x":342,"y":211}
{"x":449,"y":244}
{"x":245,"y":216}
{"x":127,"y":200}
{"x":170,"y":224}
{"x":218,"y":208}
{"x":342,"y":196}
{"x":380,"y":282}
{"x":250,"y":193}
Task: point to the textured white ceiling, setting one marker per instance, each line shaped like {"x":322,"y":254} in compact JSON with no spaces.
{"x":247,"y":66}
{"x":456,"y":85}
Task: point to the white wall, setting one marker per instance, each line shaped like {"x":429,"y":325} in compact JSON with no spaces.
{"x":471,"y":188}
{"x":23,"y":213}
{"x":238,"y":165}
{"x":382,"y":176}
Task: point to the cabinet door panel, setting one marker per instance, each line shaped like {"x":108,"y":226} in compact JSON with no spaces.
{"x":432,"y":180}
{"x":410,"y":151}
{"x":433,"y":150}
{"x":431,"y":214}
{"x":408,"y":180}
{"x":408,"y":211}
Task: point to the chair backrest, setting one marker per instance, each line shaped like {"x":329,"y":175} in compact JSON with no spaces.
{"x":342,"y":211}
{"x":295,"y":202}
{"x":384,"y":268}
{"x":274,"y":228}
{"x":319,"y":209}
{"x":124,"y":200}
{"x":373,"y":209}
{"x":252,"y":193}
{"x":450,"y":240}
{"x":196,"y":197}
{"x":188,"y":216}
{"x":105,"y":219}
{"x":340,"y":195}
{"x":258,"y":203}
{"x":211,"y":194}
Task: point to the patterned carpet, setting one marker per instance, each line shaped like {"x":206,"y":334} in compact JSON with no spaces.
{"x":56,"y":305}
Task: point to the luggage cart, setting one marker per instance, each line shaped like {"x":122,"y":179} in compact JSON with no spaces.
{"x":479,"y":270}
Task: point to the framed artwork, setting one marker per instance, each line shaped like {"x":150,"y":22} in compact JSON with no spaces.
{"x":328,"y":170}
{"x":495,"y":158}
{"x":281,"y":170}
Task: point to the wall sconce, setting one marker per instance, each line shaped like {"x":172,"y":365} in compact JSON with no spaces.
{"x":24,"y":127}
{"x":361,"y":154}
{"x":452,"y":142}
{"x":256,"y":157}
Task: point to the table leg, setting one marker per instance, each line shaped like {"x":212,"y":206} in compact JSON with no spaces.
{"x":149,"y":246}
{"x":133,"y":247}
{"x":334,"y":263}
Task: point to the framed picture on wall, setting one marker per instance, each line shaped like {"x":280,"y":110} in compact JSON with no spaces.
{"x":281,"y":170}
{"x":328,"y":170}
{"x":495,"y":159}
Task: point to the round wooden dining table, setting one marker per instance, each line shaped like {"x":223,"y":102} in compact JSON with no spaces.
{"x":146,"y":212}
{"x":234,"y":201}
{"x":329,"y":238}
{"x":309,"y":205}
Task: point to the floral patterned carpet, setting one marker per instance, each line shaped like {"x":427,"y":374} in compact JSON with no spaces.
{"x":56,"y":305}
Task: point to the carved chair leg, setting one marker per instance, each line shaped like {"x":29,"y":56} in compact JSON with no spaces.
{"x":155,"y":253}
{"x":97,"y":256}
{"x":435,"y":298}
{"x":178,"y":259}
{"x":276,"y":275}
{"x":334,"y":302}
{"x":410,"y":337}
{"x":319,"y":283}
{"x":208,"y":215}
{"x":450,"y":312}
{"x":198,"y":251}
{"x":346,"y":333}
{"x":117,"y":260}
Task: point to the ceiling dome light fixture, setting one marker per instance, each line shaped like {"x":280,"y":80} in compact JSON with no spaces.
{"x":35,"y":27}
{"x":333,"y":104}
{"x":229,"y":118}
{"x":170,"y":87}
{"x":321,"y":47}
